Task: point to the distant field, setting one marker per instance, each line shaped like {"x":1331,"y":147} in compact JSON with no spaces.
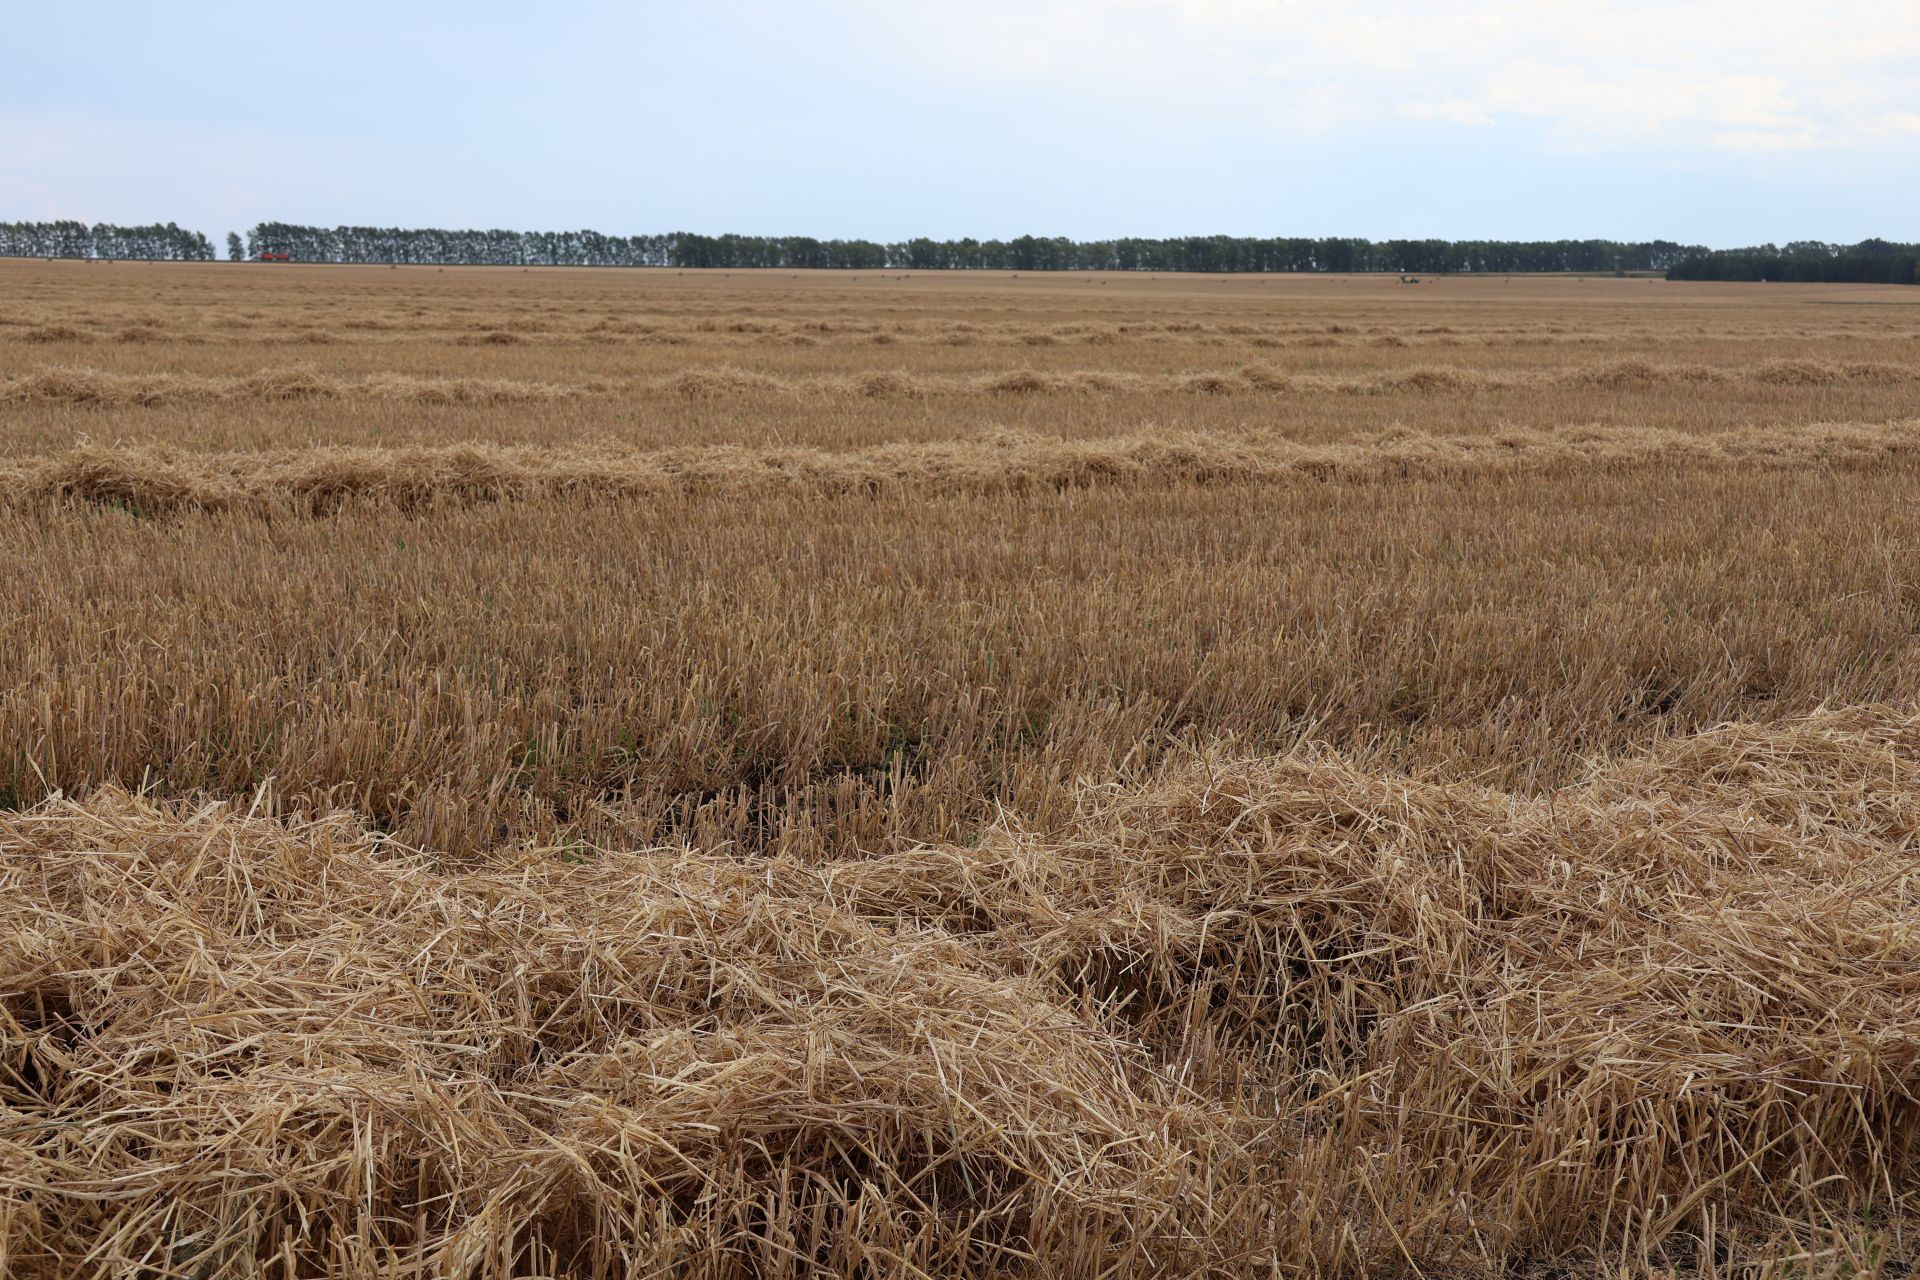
{"x":572,"y":772}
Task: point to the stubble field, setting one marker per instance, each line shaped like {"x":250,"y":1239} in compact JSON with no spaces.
{"x":612,"y":772}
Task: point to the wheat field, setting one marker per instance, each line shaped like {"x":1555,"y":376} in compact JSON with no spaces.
{"x":601,"y":773}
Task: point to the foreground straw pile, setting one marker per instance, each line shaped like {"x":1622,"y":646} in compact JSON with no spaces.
{"x":1259,"y":1016}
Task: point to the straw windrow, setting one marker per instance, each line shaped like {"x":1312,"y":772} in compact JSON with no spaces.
{"x":317,"y":480}
{"x":79,"y":385}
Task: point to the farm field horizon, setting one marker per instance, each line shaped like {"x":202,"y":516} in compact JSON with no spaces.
{"x":595,"y":772}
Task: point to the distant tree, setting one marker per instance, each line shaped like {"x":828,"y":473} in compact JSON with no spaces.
{"x":236,"y":250}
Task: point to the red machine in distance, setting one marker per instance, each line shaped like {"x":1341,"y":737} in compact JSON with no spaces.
{"x":270,"y":256}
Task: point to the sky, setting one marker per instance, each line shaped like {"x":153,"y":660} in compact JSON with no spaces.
{"x":1724,"y":122}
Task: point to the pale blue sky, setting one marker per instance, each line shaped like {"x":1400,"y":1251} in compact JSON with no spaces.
{"x":1701,"y":120}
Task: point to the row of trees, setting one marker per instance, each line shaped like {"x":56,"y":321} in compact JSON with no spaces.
{"x":1869,"y":262}
{"x":1026,"y":253}
{"x":163,"y":243}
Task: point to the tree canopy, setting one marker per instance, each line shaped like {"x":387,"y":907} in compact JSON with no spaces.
{"x":1869,"y":262}
{"x":1024,"y":253}
{"x":67,"y":239}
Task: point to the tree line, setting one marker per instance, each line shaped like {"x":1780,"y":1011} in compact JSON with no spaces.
{"x":67,"y":239}
{"x":438,"y":247}
{"x":1869,"y":262}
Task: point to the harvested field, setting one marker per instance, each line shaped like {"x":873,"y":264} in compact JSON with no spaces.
{"x":597,"y":773}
